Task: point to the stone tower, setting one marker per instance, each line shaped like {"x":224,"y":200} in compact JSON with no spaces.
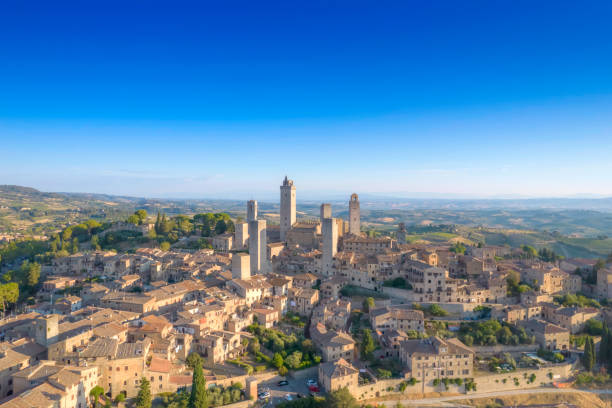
{"x":241,"y":235}
{"x":251,"y":210}
{"x":330,"y":245}
{"x":258,"y":246}
{"x":401,"y":233}
{"x":354,"y":215}
{"x":47,"y":329}
{"x":287,"y":207}
{"x":326,"y":212}
{"x":241,"y":266}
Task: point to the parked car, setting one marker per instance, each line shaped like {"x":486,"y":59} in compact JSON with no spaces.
{"x":263,"y":395}
{"x":283,"y":382}
{"x":314,"y":388}
{"x":311,"y":382}
{"x":288,"y":397}
{"x":299,"y":395}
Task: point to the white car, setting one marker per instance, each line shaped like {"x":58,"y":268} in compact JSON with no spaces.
{"x":311,"y":382}
{"x":288,"y":397}
{"x":264,"y":395}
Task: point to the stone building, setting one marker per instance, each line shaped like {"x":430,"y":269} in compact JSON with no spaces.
{"x":287,"y":207}
{"x":397,"y":318}
{"x":241,"y":266}
{"x":334,"y":344}
{"x":334,"y":375}
{"x":354,"y":215}
{"x":258,"y":246}
{"x":330,"y":245}
{"x":326,"y":211}
{"x":434,"y":358}
{"x":241,"y":236}
{"x":549,"y":336}
{"x":251,"y":210}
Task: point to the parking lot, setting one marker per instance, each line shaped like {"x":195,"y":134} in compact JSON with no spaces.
{"x":278,"y":392}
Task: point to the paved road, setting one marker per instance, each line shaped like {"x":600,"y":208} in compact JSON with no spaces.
{"x":445,"y":401}
{"x":278,"y":393}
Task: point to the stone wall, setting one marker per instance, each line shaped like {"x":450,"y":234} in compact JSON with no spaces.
{"x":492,"y":350}
{"x":310,"y":372}
{"x":495,"y":382}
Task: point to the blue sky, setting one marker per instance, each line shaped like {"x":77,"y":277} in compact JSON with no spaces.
{"x":222,"y":99}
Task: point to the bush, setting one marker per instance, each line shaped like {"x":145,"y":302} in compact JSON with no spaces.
{"x":551,"y":356}
{"x":593,"y":327}
{"x":436,"y":310}
{"x":382,"y":373}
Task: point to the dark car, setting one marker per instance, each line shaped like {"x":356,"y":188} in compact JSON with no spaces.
{"x":299,"y":395}
{"x":283,"y":382}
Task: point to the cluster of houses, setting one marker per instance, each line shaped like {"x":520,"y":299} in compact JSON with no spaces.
{"x":109,"y":319}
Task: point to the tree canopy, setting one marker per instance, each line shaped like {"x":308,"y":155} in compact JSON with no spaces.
{"x":199,"y":394}
{"x":143,"y":399}
{"x":341,"y":398}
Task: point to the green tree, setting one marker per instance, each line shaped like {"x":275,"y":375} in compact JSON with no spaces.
{"x":164,"y":246}
{"x":277,"y":360}
{"x":199,"y":395}
{"x":367,"y":344}
{"x":166,"y":225}
{"x":529,"y":251}
{"x":133,"y":219}
{"x":193,"y":359}
{"x":75,"y":245}
{"x":458,"y":248}
{"x":368,"y":303}
{"x":9,"y":293}
{"x":602,"y":356}
{"x":294,"y":359}
{"x":143,"y":399}
{"x":436,"y":310}
{"x":28,"y":274}
{"x":588,"y":357}
{"x":95,"y":393}
{"x":254,"y":346}
{"x":308,"y":346}
{"x":158,"y":224}
{"x":119,"y":398}
{"x":341,"y":398}
{"x":95,"y":243}
{"x":142,"y":215}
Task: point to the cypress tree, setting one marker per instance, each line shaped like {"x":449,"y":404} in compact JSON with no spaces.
{"x":143,"y":399}
{"x":199,"y":396}
{"x":608,"y":351}
{"x":157,"y":223}
{"x":588,"y":359}
{"x":602,"y":356}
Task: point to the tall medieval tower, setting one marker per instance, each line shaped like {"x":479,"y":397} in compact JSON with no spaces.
{"x":354,"y":215}
{"x":287,"y":207}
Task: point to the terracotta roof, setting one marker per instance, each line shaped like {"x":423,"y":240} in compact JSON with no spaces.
{"x":160,"y":365}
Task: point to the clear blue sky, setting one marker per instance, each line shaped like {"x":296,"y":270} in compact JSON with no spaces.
{"x":223,"y":98}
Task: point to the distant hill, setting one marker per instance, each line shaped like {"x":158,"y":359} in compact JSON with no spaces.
{"x":573,"y":227}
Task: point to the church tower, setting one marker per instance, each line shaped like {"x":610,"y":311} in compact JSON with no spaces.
{"x":354,"y":215}
{"x":287,"y":207}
